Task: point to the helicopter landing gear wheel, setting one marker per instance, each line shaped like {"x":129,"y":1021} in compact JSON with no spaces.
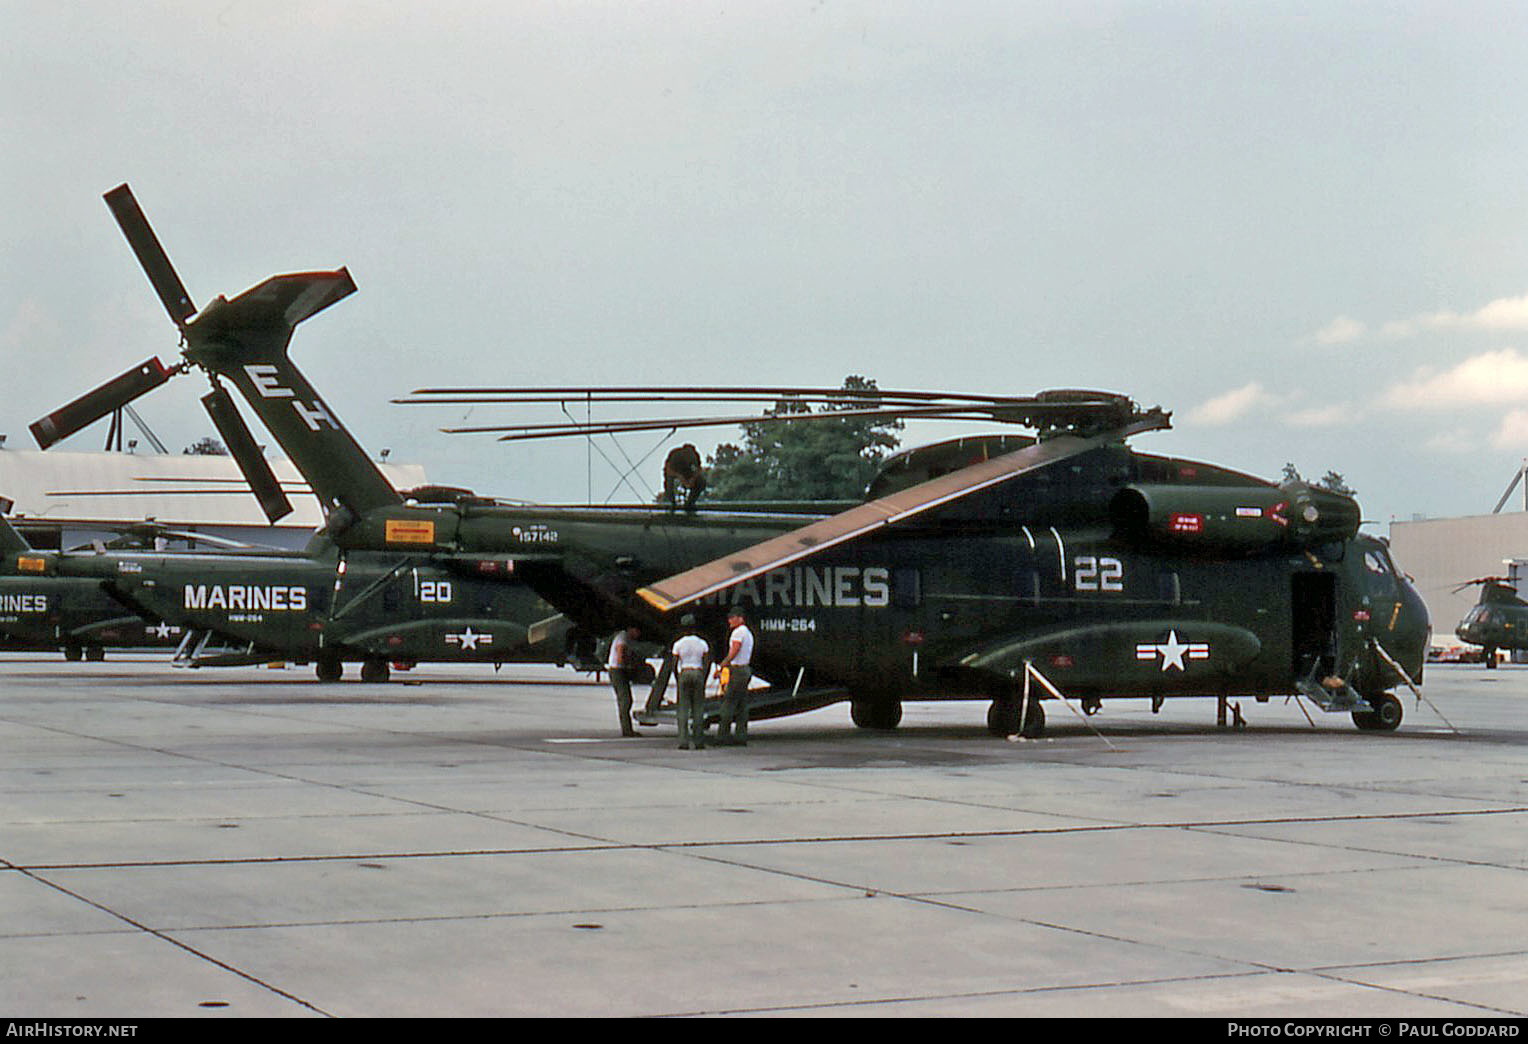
{"x":1007,"y":718}
{"x":876,"y":714}
{"x":73,"y":652}
{"x":1489,"y":653}
{"x":94,"y":653}
{"x":375,"y":669}
{"x":1385,"y":716}
{"x":329,"y":668}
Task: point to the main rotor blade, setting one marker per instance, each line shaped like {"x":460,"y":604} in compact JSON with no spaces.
{"x":518,"y":432}
{"x":93,"y":405}
{"x":155,"y":262}
{"x":1033,"y":413}
{"x":241,"y":445}
{"x":736,"y":393}
{"x":603,"y":398}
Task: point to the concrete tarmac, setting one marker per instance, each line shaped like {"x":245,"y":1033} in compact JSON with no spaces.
{"x":246,"y":842}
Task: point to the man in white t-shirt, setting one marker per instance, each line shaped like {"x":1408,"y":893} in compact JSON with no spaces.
{"x":622,"y":658}
{"x":732,"y":729}
{"x":692,"y":659}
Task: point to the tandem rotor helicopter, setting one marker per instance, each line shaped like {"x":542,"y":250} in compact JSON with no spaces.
{"x":1499,"y":620}
{"x":1010,"y":569}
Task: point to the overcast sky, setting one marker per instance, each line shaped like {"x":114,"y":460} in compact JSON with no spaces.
{"x":1301,"y":227}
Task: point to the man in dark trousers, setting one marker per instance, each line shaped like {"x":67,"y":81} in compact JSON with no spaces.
{"x":692,"y":657}
{"x":732,"y":729}
{"x":622,"y":658}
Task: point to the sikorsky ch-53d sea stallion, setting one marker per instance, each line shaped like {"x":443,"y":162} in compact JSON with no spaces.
{"x":77,"y":616}
{"x":1063,"y":563}
{"x":233,"y":606}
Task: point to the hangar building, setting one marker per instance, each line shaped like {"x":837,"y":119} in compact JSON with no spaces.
{"x":68,"y":499}
{"x":1440,"y":554}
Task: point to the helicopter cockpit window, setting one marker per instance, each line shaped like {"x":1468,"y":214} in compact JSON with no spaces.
{"x":1380,"y":574}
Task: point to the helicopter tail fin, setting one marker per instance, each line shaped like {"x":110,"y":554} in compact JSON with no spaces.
{"x":246,"y":339}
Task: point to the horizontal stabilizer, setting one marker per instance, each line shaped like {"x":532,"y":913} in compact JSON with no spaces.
{"x":274,"y":306}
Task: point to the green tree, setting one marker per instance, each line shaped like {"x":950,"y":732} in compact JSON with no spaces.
{"x":1332,"y":480}
{"x":819,"y":457}
{"x":206,"y":446}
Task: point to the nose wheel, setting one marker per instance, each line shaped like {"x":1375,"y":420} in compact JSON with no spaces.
{"x":1008,"y":718}
{"x":1384,"y":715}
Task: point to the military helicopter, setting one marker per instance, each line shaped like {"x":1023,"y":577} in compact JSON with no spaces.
{"x":38,"y":611}
{"x":1071,"y":561}
{"x":236,"y":606}
{"x":320,"y":606}
{"x":1499,"y":619}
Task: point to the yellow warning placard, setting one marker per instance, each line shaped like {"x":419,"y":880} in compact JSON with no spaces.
{"x":31,"y":564}
{"x":410,"y":531}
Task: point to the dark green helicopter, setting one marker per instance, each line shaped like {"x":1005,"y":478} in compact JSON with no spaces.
{"x":233,"y":606}
{"x":1066,"y":563}
{"x":1499,"y":619}
{"x":79,"y":617}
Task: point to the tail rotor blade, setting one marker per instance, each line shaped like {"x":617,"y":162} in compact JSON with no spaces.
{"x":241,"y":444}
{"x":92,"y":406}
{"x":155,"y":262}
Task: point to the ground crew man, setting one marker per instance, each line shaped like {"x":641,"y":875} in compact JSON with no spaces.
{"x":682,"y":471}
{"x":618,"y":663}
{"x":692,"y":656}
{"x":732,"y":729}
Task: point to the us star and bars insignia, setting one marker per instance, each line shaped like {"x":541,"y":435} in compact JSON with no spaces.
{"x":1173,"y":651}
{"x":469,"y":639}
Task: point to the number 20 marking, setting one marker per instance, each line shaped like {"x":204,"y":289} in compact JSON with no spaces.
{"x":1098,"y":574}
{"x":435,"y":590}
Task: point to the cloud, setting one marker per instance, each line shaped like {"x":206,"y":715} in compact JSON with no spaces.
{"x":1323,"y":416}
{"x":1490,"y":378}
{"x":1502,"y":314}
{"x":1512,"y":433}
{"x":1340,"y":330}
{"x":1223,"y":409}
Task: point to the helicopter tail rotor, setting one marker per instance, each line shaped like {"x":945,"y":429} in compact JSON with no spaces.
{"x":151,"y":255}
{"x":268,"y":311}
{"x":93,"y":405}
{"x":246,"y":452}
